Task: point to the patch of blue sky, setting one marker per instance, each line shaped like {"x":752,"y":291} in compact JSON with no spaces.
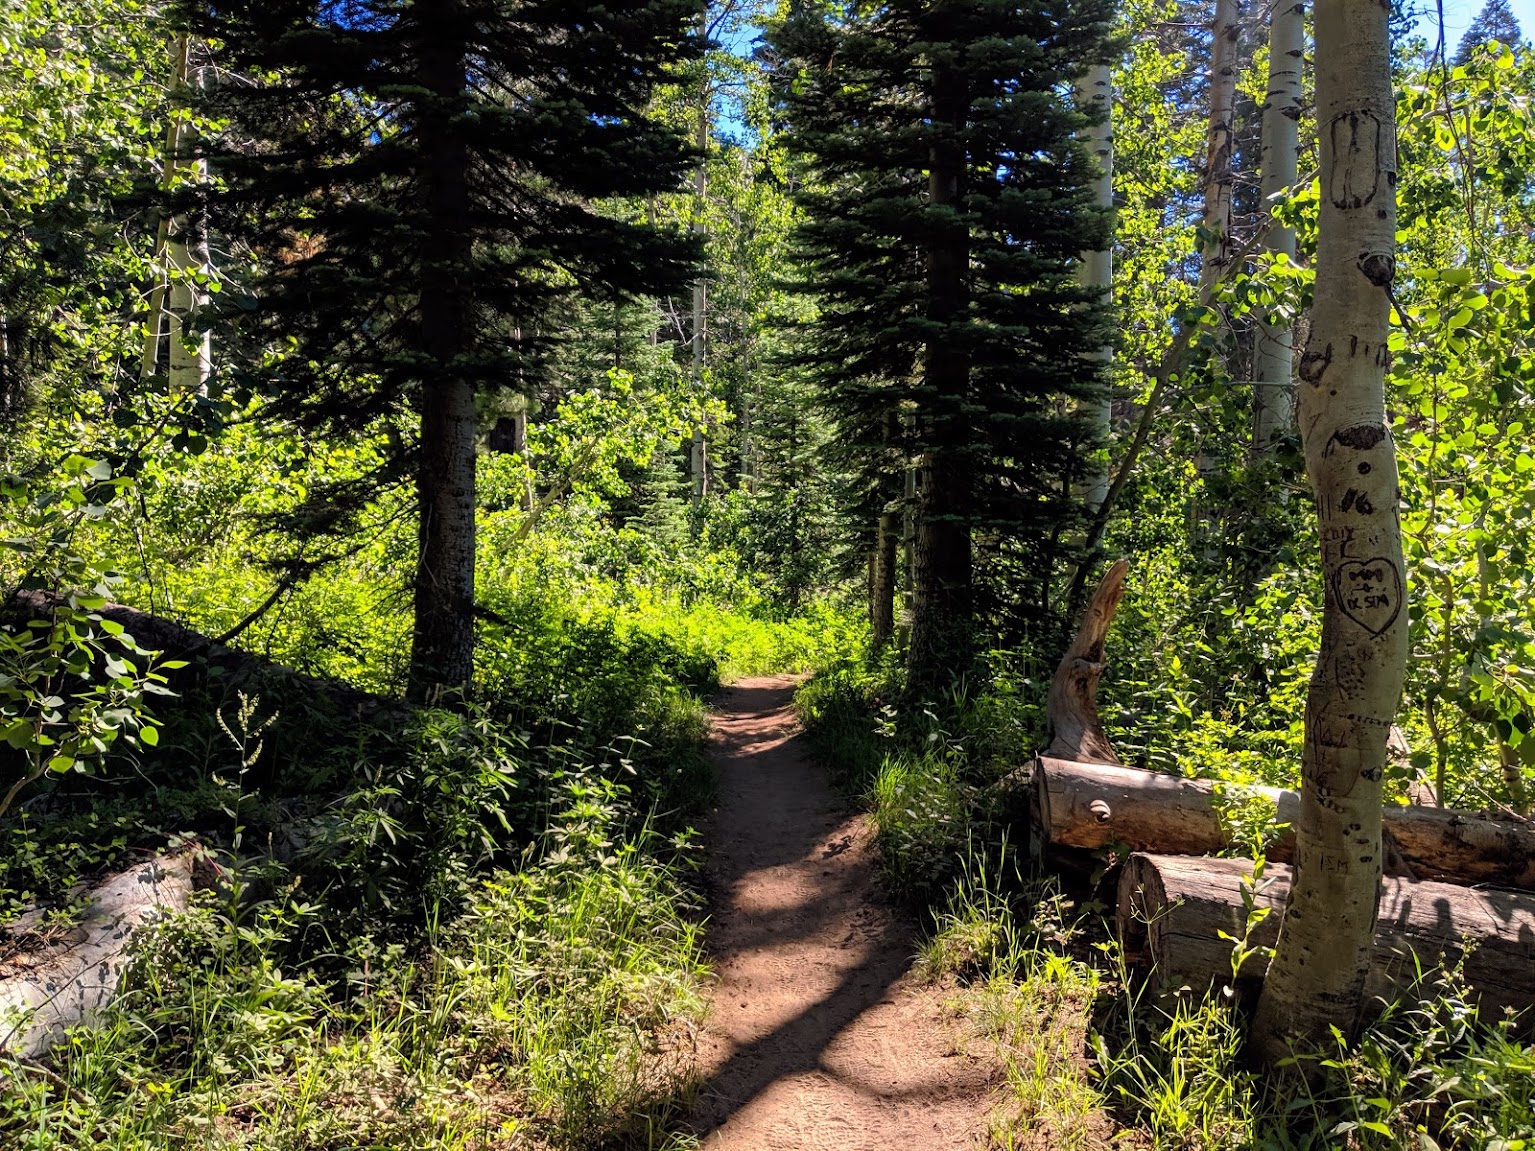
{"x":1458,"y":15}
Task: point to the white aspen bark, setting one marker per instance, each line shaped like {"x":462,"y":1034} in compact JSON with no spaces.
{"x":699,"y":455}
{"x":182,"y":247}
{"x":1095,"y":93}
{"x":910,"y":491}
{"x":1216,"y":251}
{"x":524,"y":453}
{"x":1316,"y":980}
{"x":154,"y":324}
{"x":186,"y":256}
{"x":1273,"y":357}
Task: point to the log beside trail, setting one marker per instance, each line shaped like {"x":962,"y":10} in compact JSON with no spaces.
{"x":1094,"y":805}
{"x":1172,"y":909}
{"x":58,"y":978}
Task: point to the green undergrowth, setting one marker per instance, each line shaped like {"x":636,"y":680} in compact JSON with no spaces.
{"x":460,"y":927}
{"x":934,"y":773}
{"x":558,"y":1009}
{"x":1091,"y":1059}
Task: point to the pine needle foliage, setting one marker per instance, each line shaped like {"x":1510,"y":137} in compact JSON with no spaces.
{"x":946,"y":203}
{"x":422,"y":186}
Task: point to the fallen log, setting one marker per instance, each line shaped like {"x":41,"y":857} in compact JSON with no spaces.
{"x":60,"y":979}
{"x":1172,"y":909}
{"x":1093,"y":805}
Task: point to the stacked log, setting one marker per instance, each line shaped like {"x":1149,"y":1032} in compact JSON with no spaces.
{"x":1173,"y":909}
{"x":1184,"y":913}
{"x":1095,"y":805}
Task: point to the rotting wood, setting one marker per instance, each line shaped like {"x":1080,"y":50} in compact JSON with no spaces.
{"x":1093,"y":806}
{"x":69,"y":980}
{"x":1072,"y":705}
{"x":1172,"y":909}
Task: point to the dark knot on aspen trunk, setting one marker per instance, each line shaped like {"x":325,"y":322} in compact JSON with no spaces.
{"x":1379,"y":268}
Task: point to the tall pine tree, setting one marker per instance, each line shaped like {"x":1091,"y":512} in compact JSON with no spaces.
{"x":947,"y":204}
{"x":421,"y":180}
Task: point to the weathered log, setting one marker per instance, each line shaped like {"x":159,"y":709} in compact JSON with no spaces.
{"x":67,"y":978}
{"x":1173,"y":907}
{"x":1071,"y":707}
{"x":1092,"y":805}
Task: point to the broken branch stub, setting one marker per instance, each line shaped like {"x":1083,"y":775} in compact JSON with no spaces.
{"x":1072,"y":705}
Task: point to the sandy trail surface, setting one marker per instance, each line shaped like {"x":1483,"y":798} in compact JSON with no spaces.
{"x":817,"y":1038}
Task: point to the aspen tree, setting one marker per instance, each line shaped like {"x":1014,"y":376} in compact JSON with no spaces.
{"x":1316,"y":979}
{"x":1273,"y":374}
{"x":700,"y":318}
{"x":181,"y":249}
{"x":1215,"y":252}
{"x":1095,"y":94}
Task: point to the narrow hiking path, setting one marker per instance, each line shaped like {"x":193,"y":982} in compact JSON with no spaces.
{"x":817,"y":1039}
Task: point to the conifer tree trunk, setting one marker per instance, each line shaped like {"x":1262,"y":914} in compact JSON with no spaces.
{"x":943,"y":608}
{"x":1095,"y":92}
{"x":882,"y":580}
{"x":442,"y":652}
{"x":1317,"y":975}
{"x":1273,"y":382}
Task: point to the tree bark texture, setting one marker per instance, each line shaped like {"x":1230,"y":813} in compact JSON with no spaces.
{"x":1323,"y":955}
{"x":1273,"y":356}
{"x":45,"y":990}
{"x":442,"y":652}
{"x":882,"y":580}
{"x":1172,"y":909}
{"x":944,"y":603}
{"x":699,"y":453}
{"x":1096,"y":805}
{"x":1095,"y":93}
{"x":181,"y":250}
{"x":1216,"y":251}
{"x":1072,"y":705}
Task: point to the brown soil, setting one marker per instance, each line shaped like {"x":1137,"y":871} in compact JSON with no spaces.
{"x":818,"y":1039}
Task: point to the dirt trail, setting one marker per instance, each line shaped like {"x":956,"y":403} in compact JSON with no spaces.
{"x":816,"y":1039}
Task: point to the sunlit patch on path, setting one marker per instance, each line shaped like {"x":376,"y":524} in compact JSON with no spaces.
{"x":816,"y":1040}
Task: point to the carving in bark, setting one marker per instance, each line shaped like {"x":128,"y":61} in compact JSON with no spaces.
{"x":1072,"y":705}
{"x":1317,"y":978}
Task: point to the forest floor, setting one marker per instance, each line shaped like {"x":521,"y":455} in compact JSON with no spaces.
{"x":818,"y":1037}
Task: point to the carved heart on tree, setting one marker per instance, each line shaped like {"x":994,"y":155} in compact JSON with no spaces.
{"x":1369,"y":592}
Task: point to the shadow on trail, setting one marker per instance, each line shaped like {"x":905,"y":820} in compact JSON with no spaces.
{"x":803,"y":946}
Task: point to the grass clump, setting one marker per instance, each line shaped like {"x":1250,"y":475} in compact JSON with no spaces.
{"x":558,"y":1011}
{"x":466,"y":927}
